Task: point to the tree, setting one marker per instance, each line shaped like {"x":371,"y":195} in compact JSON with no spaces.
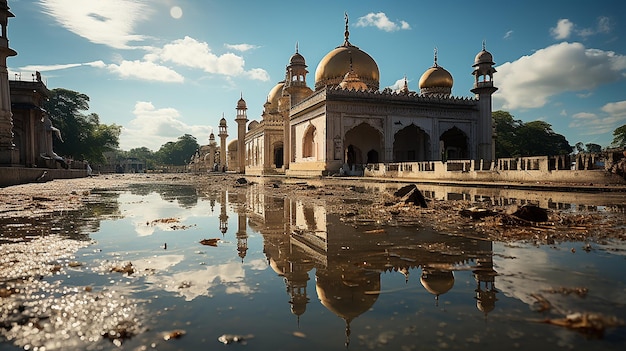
{"x":619,"y":137}
{"x":144,"y":154}
{"x":178,"y":153}
{"x":515,"y":138}
{"x":84,"y":138}
{"x":591,"y":147}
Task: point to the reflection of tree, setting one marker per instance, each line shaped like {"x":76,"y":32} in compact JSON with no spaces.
{"x":73,"y":224}
{"x":185,"y":195}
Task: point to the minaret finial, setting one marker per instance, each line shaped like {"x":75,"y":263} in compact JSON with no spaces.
{"x":484,"y":45}
{"x":296,"y":47}
{"x":436,"y":57}
{"x":347,"y":32}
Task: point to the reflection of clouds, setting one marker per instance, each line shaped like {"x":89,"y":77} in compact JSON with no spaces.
{"x":257,"y":265}
{"x":198,"y":282}
{"x":144,"y":209}
{"x":158,"y":263}
{"x":519,"y":272}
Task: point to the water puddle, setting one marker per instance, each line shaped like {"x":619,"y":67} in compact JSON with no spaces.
{"x":173,"y":267}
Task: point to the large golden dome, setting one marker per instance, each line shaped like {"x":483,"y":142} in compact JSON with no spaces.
{"x":275,"y":94}
{"x":333,"y":67}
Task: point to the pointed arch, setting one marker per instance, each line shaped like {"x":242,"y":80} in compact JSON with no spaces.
{"x":308,"y":142}
{"x":364,"y":144}
{"x":411,"y":144}
{"x":454,"y":144}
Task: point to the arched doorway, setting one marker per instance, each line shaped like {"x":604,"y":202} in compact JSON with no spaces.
{"x":360,"y":138}
{"x":454,"y":145}
{"x":411,"y":144}
{"x":278,"y":155}
{"x":308,"y":142}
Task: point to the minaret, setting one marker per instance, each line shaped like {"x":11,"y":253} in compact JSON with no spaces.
{"x":241,"y":120}
{"x":223,"y":134}
{"x":296,"y":90}
{"x":484,"y":89}
{"x":8,"y":152}
{"x":212,"y":149}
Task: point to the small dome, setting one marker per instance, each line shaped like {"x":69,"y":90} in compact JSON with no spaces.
{"x":483,"y":57}
{"x":436,"y":77}
{"x":223,"y":122}
{"x":241,"y":104}
{"x":297,"y":59}
{"x":253,"y":125}
{"x":211,"y":136}
{"x":352,"y":81}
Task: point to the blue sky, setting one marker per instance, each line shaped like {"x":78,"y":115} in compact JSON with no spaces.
{"x":163,"y":68}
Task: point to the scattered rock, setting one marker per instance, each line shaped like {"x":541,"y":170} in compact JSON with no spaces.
{"x":209,"y":242}
{"x":476,"y":212}
{"x":531,"y":213}
{"x":410,"y":194}
{"x":234,"y":338}
{"x":174,"y":334}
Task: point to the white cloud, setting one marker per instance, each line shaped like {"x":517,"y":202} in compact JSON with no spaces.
{"x":566,"y":28}
{"x":154,"y":127}
{"x":108,"y":22}
{"x":530,"y":81}
{"x":144,"y":70}
{"x":381,"y":21}
{"x":191,"y":53}
{"x":508,"y":34}
{"x":398,"y":85}
{"x":563,"y":29}
{"x":241,"y":47}
{"x":592,"y":124}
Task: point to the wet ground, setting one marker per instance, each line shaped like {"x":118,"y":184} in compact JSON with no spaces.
{"x":174,"y":262}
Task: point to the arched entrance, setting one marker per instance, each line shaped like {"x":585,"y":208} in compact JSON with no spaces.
{"x":278,"y":155}
{"x":454,"y":145}
{"x":411,"y":144}
{"x":308,"y":142}
{"x":360,"y":138}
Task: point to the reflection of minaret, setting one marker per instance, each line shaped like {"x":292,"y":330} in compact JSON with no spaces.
{"x":8,"y":152}
{"x":486,"y":290}
{"x":223,"y":215}
{"x":242,"y":235}
{"x":296,"y":278}
{"x":212,"y":198}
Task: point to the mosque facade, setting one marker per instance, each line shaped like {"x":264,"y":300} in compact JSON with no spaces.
{"x":347,"y":122}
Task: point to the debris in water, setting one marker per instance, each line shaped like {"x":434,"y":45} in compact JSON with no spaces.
{"x":232,"y":338}
{"x":592,"y":324}
{"x":209,"y":242}
{"x":175,"y":334}
{"x":127,"y":269}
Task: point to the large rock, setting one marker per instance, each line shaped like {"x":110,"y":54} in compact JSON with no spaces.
{"x":411,"y":194}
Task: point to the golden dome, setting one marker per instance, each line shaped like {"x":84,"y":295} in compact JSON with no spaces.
{"x":436,"y":77}
{"x":275,"y":94}
{"x":334,"y":66}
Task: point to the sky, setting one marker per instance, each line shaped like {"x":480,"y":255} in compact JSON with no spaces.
{"x":164,"y":68}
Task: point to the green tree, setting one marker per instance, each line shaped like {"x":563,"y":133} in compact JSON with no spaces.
{"x":515,"y":138}
{"x":619,"y":137}
{"x":178,"y":153}
{"x":145,"y":154}
{"x":591,"y":147}
{"x":84,"y":138}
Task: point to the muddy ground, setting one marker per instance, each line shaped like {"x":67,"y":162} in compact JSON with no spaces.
{"x":358,"y":203}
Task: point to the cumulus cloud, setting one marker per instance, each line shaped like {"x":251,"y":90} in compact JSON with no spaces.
{"x":398,"y":85}
{"x":532,"y":80}
{"x":152,"y":127}
{"x":382,"y":22}
{"x":611,"y":116}
{"x":108,"y":22}
{"x":144,"y":70}
{"x":192,"y":53}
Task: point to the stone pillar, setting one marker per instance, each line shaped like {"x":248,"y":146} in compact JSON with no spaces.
{"x":8,"y":152}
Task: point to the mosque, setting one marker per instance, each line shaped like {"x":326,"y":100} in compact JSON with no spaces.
{"x":347,"y":122}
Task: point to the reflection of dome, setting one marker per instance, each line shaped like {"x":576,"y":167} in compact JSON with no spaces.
{"x":277,"y":268}
{"x":437,"y":282}
{"x":334,"y":66}
{"x":347,"y":300}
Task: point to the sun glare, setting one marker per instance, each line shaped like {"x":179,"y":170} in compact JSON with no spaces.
{"x":176,"y":12}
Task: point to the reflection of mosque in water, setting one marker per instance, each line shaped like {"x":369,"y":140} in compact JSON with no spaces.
{"x":301,"y":236}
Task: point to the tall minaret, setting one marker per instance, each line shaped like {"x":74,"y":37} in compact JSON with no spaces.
{"x":484,"y":89}
{"x":241,"y":120}
{"x":296,"y":90}
{"x":8,"y":153}
{"x":223,"y":134}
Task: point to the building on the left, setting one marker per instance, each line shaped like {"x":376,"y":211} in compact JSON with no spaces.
{"x":26,"y":131}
